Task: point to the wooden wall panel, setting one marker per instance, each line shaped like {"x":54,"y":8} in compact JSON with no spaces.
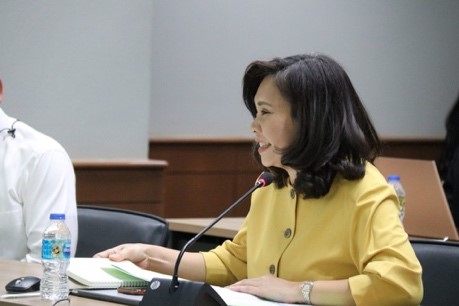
{"x":196,"y":195}
{"x":195,"y":178}
{"x":205,"y":176}
{"x":426,"y":149}
{"x":136,"y":185}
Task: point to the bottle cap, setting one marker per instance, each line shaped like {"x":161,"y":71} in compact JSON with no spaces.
{"x":393,"y":178}
{"x":57,"y":216}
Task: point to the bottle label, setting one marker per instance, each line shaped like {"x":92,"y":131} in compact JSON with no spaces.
{"x":55,"y":249}
{"x":402,"y":207}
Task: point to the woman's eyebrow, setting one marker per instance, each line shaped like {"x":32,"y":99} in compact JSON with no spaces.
{"x":263,"y":103}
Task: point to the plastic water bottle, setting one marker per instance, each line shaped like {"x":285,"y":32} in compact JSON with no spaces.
{"x":394,"y":180}
{"x":55,"y":257}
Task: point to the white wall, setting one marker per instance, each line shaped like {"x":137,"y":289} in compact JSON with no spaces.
{"x":401,"y":55}
{"x":104,"y":76}
{"x":80,"y":71}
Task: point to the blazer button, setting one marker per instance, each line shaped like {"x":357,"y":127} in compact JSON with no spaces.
{"x":287,"y":233}
{"x":272,"y":269}
{"x":292,"y":193}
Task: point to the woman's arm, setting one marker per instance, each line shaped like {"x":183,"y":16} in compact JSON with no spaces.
{"x":336,"y":292}
{"x":159,"y":259}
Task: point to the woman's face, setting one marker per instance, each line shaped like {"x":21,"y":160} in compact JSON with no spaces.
{"x":273,"y":125}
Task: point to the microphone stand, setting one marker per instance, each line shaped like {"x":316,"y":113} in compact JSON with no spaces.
{"x":165,"y":292}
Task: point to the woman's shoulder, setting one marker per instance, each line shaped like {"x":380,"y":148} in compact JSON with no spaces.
{"x":372,"y":176}
{"x":373,"y":182}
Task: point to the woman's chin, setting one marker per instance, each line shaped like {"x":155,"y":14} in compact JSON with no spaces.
{"x":269,"y":163}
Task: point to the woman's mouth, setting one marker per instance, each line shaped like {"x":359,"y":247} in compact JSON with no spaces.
{"x":263,"y":146}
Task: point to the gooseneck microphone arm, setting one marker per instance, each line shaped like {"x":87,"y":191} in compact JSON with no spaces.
{"x":264,"y":180}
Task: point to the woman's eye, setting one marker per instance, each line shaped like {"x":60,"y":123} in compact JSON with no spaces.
{"x":264,"y":112}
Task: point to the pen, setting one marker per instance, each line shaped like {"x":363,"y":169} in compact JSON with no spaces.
{"x":18,"y":295}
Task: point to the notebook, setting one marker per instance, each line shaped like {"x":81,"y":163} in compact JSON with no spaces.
{"x":99,"y":273}
{"x":103,"y":273}
{"x":427,"y":211}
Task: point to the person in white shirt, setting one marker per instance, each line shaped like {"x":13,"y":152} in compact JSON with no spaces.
{"x":36,"y":179}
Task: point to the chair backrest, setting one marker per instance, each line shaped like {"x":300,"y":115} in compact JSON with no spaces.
{"x":427,"y":211}
{"x":440,"y":276}
{"x":101,"y":228}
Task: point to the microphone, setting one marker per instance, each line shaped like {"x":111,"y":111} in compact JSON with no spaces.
{"x":165,"y":292}
{"x":12,"y":132}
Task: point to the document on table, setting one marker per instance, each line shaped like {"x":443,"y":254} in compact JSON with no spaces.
{"x":233,"y":298}
{"x":98,"y":273}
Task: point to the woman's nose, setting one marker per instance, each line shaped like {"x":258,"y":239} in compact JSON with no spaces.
{"x":254,"y":126}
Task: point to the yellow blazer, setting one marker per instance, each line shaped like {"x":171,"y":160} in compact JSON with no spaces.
{"x":352,"y":233}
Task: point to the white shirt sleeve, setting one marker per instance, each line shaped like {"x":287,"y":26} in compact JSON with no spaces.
{"x":50,"y":188}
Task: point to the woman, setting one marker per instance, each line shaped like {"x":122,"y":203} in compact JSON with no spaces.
{"x":327,"y":232}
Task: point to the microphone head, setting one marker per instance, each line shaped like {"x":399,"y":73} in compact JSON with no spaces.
{"x":265,"y":179}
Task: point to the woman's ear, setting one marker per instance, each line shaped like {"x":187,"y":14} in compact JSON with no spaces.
{"x":1,"y":91}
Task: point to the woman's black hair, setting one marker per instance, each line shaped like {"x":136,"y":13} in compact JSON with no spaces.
{"x":336,"y":134}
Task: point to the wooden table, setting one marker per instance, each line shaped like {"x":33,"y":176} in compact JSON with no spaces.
{"x":183,"y":229}
{"x":225,"y":228}
{"x":10,"y":269}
